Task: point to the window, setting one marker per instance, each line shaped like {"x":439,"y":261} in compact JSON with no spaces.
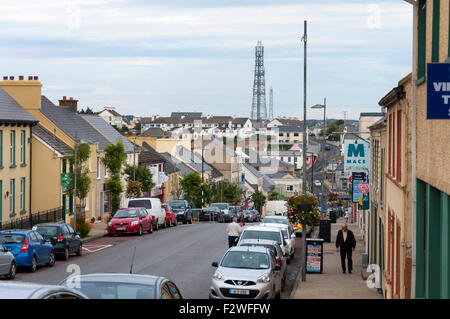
{"x":289,"y":188}
{"x":12,"y":148}
{"x":22,"y":195}
{"x":1,"y":149}
{"x":12,"y":199}
{"x":98,"y":168}
{"x":399,"y":146}
{"x":421,"y":40}
{"x":435,"y":31}
{"x":23,"y":143}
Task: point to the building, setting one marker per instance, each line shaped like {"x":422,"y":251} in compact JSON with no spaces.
{"x":110,"y":115}
{"x":367,"y":119}
{"x":15,"y":158}
{"x":432,"y":173}
{"x":288,"y":184}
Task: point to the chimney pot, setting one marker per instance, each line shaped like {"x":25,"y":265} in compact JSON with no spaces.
{"x":36,"y":78}
{"x":71,"y":98}
{"x":11,"y":78}
{"x":30,"y":78}
{"x":64,"y":97}
{"x":5,"y":78}
{"x":20,"y":77}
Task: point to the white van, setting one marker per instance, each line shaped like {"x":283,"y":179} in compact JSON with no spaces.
{"x":153,"y":206}
{"x":276,"y":207}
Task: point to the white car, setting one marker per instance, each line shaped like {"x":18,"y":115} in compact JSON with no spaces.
{"x":153,"y":207}
{"x":317,"y":183}
{"x":288,"y":236}
{"x":265,"y":232}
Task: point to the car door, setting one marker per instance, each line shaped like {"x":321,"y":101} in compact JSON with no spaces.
{"x":144,"y":219}
{"x":45,"y":248}
{"x":35,"y":245}
{"x":75,"y":239}
{"x":276,"y":273}
{"x":5,"y":261}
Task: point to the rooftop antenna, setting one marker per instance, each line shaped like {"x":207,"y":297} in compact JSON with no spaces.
{"x":132,"y":260}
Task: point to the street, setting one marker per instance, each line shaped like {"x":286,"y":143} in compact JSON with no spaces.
{"x":182,"y":254}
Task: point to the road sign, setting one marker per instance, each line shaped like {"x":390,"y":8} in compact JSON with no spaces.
{"x":65,"y":180}
{"x":438,"y":91}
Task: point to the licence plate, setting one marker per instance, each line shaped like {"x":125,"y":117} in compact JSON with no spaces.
{"x":120,"y":228}
{"x":239,"y":292}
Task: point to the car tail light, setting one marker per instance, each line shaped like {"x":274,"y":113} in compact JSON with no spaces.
{"x":24,"y":246}
{"x":59,"y":239}
{"x":279,"y":261}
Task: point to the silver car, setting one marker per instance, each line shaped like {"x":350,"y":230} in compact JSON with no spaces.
{"x":8,"y":265}
{"x":276,"y":250}
{"x":288,"y":236}
{"x":24,"y":290}
{"x":246,"y":272}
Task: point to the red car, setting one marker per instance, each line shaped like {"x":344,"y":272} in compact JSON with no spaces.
{"x":134,"y":220}
{"x":171,"y":217}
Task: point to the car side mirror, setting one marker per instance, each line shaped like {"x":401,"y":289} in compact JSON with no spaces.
{"x":285,"y":242}
{"x":293,"y":236}
{"x":277,"y":267}
{"x":215,"y":264}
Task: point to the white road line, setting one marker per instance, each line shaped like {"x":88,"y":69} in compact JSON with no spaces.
{"x":94,"y":249}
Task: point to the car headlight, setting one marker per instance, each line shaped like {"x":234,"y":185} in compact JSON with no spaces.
{"x":264,"y":278}
{"x":134,"y":223}
{"x":218,"y":275}
{"x":110,"y":224}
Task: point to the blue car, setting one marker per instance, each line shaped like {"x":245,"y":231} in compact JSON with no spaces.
{"x":29,"y":248}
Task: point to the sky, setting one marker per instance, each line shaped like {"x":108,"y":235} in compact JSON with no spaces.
{"x":154,"y":57}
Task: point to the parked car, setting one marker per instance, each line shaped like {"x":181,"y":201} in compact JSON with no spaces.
{"x":29,"y":248}
{"x":276,"y":219}
{"x":235,"y":211}
{"x":182,"y":208}
{"x":288,"y":236}
{"x":123,"y":286}
{"x":153,"y":207}
{"x":256,"y":215}
{"x":264,"y":232}
{"x":8,"y":265}
{"x":327,"y":148}
{"x":211,"y":213}
{"x":130,"y":221}
{"x":24,"y":290}
{"x":246,"y":272}
{"x":276,"y":250}
{"x":317,"y":183}
{"x":171,"y":217}
{"x":63,"y":238}
{"x":249,"y":216}
{"x":225,"y":212}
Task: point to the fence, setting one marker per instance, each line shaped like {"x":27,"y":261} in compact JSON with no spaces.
{"x":27,"y":222}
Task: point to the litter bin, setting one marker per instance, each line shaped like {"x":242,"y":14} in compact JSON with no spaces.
{"x":333,"y":216}
{"x":325,"y":230}
{"x":314,"y":255}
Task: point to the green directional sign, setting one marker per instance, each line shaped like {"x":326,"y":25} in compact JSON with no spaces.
{"x":65,"y":180}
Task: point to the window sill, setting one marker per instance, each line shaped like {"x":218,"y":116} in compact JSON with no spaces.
{"x":12,"y":214}
{"x":23,"y":165}
{"x":13,"y":166}
{"x":23,"y":212}
{"x":1,"y":167}
{"x":420,"y":80}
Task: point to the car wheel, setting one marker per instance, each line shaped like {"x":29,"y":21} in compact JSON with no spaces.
{"x":110,"y":235}
{"x":51,"y":259}
{"x":33,"y":266}
{"x":12,"y":270}
{"x":80,"y":250}
{"x":185,"y":220}
{"x":141,"y":231}
{"x":156,"y":225}
{"x":66,"y":254}
{"x":150,"y":229}
{"x":170,"y":223}
{"x":165,"y":223}
{"x":190,"y":220}
{"x":283,"y":283}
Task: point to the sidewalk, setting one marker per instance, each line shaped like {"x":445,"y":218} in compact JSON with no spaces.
{"x":332,"y":283}
{"x":97,"y":231}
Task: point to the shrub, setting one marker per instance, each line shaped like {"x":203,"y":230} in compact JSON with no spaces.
{"x":84,"y":228}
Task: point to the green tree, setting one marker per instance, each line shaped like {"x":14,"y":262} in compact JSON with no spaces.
{"x":142,"y":175}
{"x":232,"y":193}
{"x":87,"y":111}
{"x":114,"y":160}
{"x":273,"y":195}
{"x":134,"y":189}
{"x":83,"y":180}
{"x":190,"y":183}
{"x":258,"y":199}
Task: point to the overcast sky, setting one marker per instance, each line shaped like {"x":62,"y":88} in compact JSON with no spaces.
{"x":158,"y":56}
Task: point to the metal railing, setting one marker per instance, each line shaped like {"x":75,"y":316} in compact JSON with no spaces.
{"x":27,"y":222}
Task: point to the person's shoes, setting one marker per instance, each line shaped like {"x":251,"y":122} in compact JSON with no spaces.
{"x":349,"y":271}
{"x":343,"y":271}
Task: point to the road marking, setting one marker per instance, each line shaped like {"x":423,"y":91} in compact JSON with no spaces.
{"x":95,"y":248}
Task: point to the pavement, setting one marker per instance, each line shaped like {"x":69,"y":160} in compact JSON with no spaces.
{"x":98,"y":230}
{"x":332,"y":283}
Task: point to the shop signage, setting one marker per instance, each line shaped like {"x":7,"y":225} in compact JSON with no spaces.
{"x":356,"y":156}
{"x":438,"y":91}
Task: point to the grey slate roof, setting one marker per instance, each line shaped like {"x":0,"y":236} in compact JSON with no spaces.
{"x":186,"y":114}
{"x":109,"y":132}
{"x":268,"y":184}
{"x":154,"y":132}
{"x":183,"y":168}
{"x":278,"y":175}
{"x":69,"y":121}
{"x":52,"y":140}
{"x":290,"y":128}
{"x":193,"y":160}
{"x":252,"y":170}
{"x":12,"y":112}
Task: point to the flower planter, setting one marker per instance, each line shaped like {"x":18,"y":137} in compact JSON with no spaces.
{"x":305,"y":207}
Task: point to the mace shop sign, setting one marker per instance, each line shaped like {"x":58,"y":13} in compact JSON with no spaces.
{"x":438,"y":91}
{"x":356,"y":156}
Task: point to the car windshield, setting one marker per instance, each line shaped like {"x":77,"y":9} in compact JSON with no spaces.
{"x":11,"y":239}
{"x":285,"y":233}
{"x":271,"y":247}
{"x":127,"y":213}
{"x":177,"y":204}
{"x":50,"y":231}
{"x":220,"y":205}
{"x":140,"y":203}
{"x":271,"y":220}
{"x":247,"y":212}
{"x":259,"y":234}
{"x":115,"y":290}
{"x":246,"y":260}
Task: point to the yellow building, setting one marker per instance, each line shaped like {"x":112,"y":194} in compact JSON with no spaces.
{"x":15,"y":155}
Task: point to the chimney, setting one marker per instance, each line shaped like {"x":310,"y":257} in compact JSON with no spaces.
{"x":69,"y":104}
{"x":26,"y":93}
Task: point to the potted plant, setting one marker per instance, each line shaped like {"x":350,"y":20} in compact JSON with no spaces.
{"x":92,"y":220}
{"x":303,"y":209}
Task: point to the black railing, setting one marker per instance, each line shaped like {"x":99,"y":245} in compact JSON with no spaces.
{"x":27,"y":222}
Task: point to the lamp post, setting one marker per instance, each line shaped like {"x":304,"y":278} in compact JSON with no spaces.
{"x":324,"y":106}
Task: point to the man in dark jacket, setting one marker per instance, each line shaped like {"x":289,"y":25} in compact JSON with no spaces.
{"x":347,"y":242}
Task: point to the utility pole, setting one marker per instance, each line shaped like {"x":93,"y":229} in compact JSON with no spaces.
{"x":75,"y":185}
{"x":304,"y":150}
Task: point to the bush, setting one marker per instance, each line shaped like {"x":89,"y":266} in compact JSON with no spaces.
{"x":83,"y":228}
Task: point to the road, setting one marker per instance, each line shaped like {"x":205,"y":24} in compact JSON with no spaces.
{"x":182,"y":254}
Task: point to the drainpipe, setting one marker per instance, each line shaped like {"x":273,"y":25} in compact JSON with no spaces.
{"x":413,"y":150}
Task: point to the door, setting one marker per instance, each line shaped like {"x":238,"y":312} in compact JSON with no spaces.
{"x":46,"y":248}
{"x":67,"y":237}
{"x":276,"y":273}
{"x":76,"y":239}
{"x":143,"y":216}
{"x":36,"y":247}
{"x":4,"y":261}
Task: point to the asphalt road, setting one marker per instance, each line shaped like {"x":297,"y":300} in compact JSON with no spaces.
{"x":182,"y":254}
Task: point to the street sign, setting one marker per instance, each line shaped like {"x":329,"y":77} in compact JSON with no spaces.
{"x":438,"y":91}
{"x":356,"y":156}
{"x":363,"y":188}
{"x":65,"y":180}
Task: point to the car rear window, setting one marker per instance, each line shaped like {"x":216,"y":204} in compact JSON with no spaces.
{"x":258,"y":234}
{"x":50,"y":231}
{"x":140,"y":203}
{"x":11,"y":239}
{"x":272,"y":248}
{"x":117,"y":290}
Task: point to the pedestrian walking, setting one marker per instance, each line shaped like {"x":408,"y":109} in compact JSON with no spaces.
{"x":233,"y":231}
{"x":346,"y":242}
{"x":346,"y":216}
{"x":242,"y":224}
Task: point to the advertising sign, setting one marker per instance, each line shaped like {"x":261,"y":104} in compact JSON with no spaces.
{"x":314,"y":255}
{"x":356,"y":156}
{"x":363,"y":188}
{"x":357,"y":179}
{"x":438,"y":91}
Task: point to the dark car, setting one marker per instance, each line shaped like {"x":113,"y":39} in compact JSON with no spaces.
{"x":182,"y":209}
{"x":209,"y":214}
{"x":63,"y":237}
{"x":249,"y":216}
{"x":235,"y":211}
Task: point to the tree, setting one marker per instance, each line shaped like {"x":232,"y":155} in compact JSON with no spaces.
{"x":303,"y":208}
{"x":114,"y":160}
{"x":232,"y":193}
{"x":83,"y":180}
{"x":273,"y":195}
{"x":134,"y":189}
{"x":190,"y":183}
{"x":87,"y":111}
{"x":258,"y":199}
{"x":142,"y":175}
